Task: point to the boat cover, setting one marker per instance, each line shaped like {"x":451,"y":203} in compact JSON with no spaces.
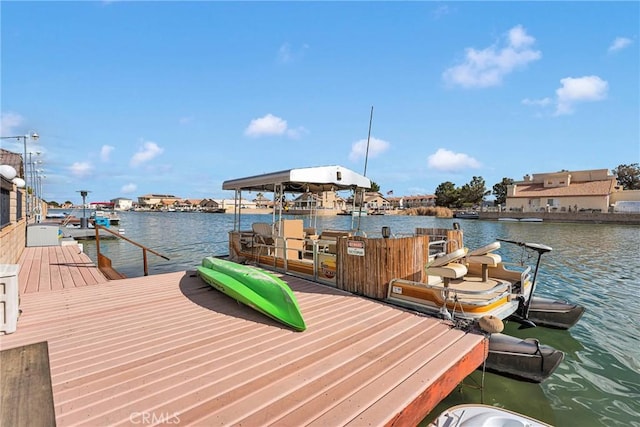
{"x":311,"y":179}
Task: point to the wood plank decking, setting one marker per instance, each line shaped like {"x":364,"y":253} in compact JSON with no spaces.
{"x":26,"y":398}
{"x":49,"y":268}
{"x":170,"y":348}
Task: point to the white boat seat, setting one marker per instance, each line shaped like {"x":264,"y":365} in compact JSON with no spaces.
{"x":452,"y":270}
{"x":485,"y":257}
{"x":445,"y":259}
{"x":446,"y":267}
{"x":485,"y":249}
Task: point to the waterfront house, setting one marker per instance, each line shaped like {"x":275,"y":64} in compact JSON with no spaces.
{"x":13,"y":218}
{"x":262,"y":202}
{"x":122,"y":204}
{"x":420,"y":200}
{"x":376,"y":201}
{"x":209,"y":205}
{"x":189,"y":204}
{"x":565,"y":191}
{"x":156,"y":201}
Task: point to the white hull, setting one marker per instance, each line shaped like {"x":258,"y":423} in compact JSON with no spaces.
{"x":483,"y":416}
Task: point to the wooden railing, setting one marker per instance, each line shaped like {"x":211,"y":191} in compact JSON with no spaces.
{"x":104,"y":263}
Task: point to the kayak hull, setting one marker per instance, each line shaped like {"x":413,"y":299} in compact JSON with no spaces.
{"x":255,"y":288}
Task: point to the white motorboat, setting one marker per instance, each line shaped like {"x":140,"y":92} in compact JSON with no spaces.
{"x":478,"y":415}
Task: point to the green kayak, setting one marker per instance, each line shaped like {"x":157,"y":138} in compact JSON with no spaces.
{"x":259,"y":290}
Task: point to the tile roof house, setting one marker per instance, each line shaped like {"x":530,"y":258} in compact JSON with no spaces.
{"x":564,"y":191}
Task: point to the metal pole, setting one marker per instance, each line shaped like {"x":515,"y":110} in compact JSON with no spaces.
{"x":26,"y":177}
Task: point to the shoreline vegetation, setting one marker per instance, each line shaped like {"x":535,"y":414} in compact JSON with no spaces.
{"x":438,"y":212}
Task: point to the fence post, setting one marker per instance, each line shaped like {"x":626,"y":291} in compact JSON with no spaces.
{"x":144,"y":260}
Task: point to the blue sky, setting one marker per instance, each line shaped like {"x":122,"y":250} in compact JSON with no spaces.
{"x":131,"y":98}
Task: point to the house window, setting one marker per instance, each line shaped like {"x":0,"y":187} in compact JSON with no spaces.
{"x":5,"y":207}
{"x":18,"y":205}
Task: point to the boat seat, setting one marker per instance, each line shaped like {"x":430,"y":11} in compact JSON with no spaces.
{"x":262,"y":234}
{"x":446,"y":266}
{"x":485,"y":257}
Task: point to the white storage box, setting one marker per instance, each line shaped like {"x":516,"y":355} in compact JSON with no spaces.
{"x":43,"y":235}
{"x":9,"y":298}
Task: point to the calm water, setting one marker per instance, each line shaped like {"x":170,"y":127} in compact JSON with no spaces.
{"x":596,"y":265}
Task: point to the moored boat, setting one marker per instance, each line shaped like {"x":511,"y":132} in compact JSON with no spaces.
{"x":257,"y":289}
{"x":479,"y":415}
{"x":456,"y":284}
{"x":466,"y":215}
{"x":473,"y":286}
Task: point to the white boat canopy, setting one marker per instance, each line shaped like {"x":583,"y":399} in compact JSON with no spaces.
{"x":302,"y":180}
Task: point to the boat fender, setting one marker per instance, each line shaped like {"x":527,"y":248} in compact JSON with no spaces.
{"x":491,"y":324}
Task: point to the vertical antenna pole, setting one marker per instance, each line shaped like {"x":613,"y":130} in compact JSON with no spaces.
{"x":366,"y":159}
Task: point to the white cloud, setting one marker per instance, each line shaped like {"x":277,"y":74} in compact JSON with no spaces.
{"x":128,"y":188}
{"x":81,"y":169}
{"x":448,"y":161}
{"x":185,"y":120}
{"x":105,"y":152}
{"x":297,"y":133}
{"x":579,"y":89}
{"x":376,"y":147}
{"x":441,"y":11}
{"x":619,"y":43}
{"x":267,"y":125}
{"x":488,"y":67}
{"x":9,"y":122}
{"x":286,"y":54}
{"x":148,"y":151}
{"x":539,"y":102}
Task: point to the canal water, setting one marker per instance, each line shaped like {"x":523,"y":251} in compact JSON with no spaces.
{"x":596,"y":265}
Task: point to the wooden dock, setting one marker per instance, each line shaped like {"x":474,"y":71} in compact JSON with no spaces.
{"x":48,"y":268}
{"x":171,"y":349}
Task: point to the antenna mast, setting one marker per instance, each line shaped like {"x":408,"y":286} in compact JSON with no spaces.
{"x":366,"y":158}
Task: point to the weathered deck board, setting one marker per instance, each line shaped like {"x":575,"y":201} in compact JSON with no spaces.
{"x":169,"y":345}
{"x":26,"y":398}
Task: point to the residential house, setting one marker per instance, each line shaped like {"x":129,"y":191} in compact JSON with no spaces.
{"x":189,"y":205}
{"x":262,"y":202}
{"x":305,"y":201}
{"x":210,"y":205}
{"x":564,"y":191}
{"x":421,"y":200}
{"x":122,"y":204}
{"x":375,"y":201}
{"x":13,"y":217}
{"x":156,"y":201}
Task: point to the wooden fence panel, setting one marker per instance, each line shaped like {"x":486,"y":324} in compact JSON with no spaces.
{"x":383,"y":260}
